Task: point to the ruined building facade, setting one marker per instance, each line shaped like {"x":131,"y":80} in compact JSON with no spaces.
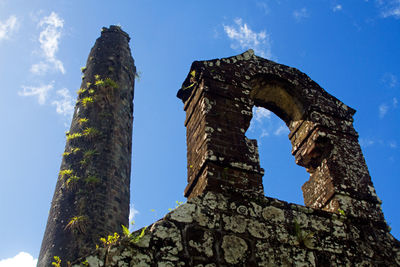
{"x":227,"y":220}
{"x":91,"y":199}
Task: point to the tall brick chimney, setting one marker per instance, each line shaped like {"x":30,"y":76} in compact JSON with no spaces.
{"x":91,"y":199}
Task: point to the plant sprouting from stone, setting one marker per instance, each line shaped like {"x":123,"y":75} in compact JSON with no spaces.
{"x":91,"y":132}
{"x":83,"y":121}
{"x":65,"y":173}
{"x":91,"y":180}
{"x":83,"y":69}
{"x":110,"y":240}
{"x":77,"y":224}
{"x":80,"y":91}
{"x":73,"y":136}
{"x":72,"y":181}
{"x":56,"y":262}
{"x":87,"y":100}
{"x":303,"y":237}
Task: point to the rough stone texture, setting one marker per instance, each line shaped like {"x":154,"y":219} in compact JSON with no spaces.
{"x":218,"y":97}
{"x":275,"y":233}
{"x":227,"y":220}
{"x":91,"y":198}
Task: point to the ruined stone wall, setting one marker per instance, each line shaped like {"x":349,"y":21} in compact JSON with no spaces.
{"x":243,"y":229}
{"x":227,"y":220}
{"x":92,"y":195}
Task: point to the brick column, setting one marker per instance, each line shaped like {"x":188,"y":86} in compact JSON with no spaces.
{"x":91,"y":199}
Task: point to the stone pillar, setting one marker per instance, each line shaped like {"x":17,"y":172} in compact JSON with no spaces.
{"x":219,"y":155}
{"x":91,"y":199}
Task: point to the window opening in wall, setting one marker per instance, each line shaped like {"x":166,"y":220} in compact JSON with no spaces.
{"x":283,"y":178}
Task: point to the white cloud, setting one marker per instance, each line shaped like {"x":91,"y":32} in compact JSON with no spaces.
{"x":260,"y":113}
{"x":337,"y":8}
{"x":8,"y":27}
{"x":264,"y":7}
{"x":264,"y":133}
{"x":390,"y":8}
{"x":395,"y":102}
{"x":23,"y":259}
{"x":366,"y":142}
{"x":301,"y":14}
{"x":65,"y":103}
{"x":383,"y":109}
{"x":390,"y":80}
{"x":245,"y":38}
{"x":282,"y":129}
{"x":132,"y":212}
{"x":41,"y":92}
{"x":393,"y":144}
{"x":49,"y":39}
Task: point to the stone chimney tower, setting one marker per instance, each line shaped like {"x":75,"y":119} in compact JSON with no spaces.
{"x":91,"y":199}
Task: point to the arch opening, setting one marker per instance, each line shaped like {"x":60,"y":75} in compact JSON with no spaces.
{"x":276,"y":108}
{"x":274,"y":149}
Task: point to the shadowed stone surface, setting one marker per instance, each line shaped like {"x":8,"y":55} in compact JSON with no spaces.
{"x":204,"y":232}
{"x":91,"y":198}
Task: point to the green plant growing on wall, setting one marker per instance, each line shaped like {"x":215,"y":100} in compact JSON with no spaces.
{"x":178,"y":203}
{"x":138,"y":75}
{"x":303,"y":237}
{"x":83,"y":121}
{"x":111,"y":83}
{"x":72,"y":181}
{"x":77,"y":224}
{"x":97,"y":77}
{"x":87,"y":100}
{"x":133,"y":238}
{"x":56,"y":262}
{"x":110,"y":240}
{"x":83,"y":69}
{"x":99,"y":83}
{"x":111,"y":69}
{"x":91,"y":132}
{"x":80,"y":91}
{"x":88,"y":84}
{"x":65,"y":173}
{"x":73,"y":136}
{"x":91,"y":180}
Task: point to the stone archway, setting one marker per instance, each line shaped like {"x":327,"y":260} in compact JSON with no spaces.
{"x":219,"y":95}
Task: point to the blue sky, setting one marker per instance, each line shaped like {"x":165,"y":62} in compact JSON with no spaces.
{"x":351,"y":48}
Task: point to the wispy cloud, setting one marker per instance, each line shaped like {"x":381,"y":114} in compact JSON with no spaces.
{"x":390,"y":80}
{"x":8,"y":27}
{"x":389,"y":8}
{"x":65,"y":103}
{"x":337,"y":8}
{"x":22,"y":259}
{"x":282,"y":129}
{"x":383,"y":109}
{"x":41,"y":92}
{"x":132,"y":214}
{"x":393,"y":144}
{"x":261,"y":113}
{"x":301,"y":14}
{"x":49,"y":39}
{"x":264,"y":7}
{"x":366,"y":142}
{"x":245,"y":38}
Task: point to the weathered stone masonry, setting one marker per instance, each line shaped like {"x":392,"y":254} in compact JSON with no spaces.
{"x":91,"y":199}
{"x":227,"y":220}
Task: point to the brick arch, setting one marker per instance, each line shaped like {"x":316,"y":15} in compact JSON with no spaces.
{"x":218,"y":97}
